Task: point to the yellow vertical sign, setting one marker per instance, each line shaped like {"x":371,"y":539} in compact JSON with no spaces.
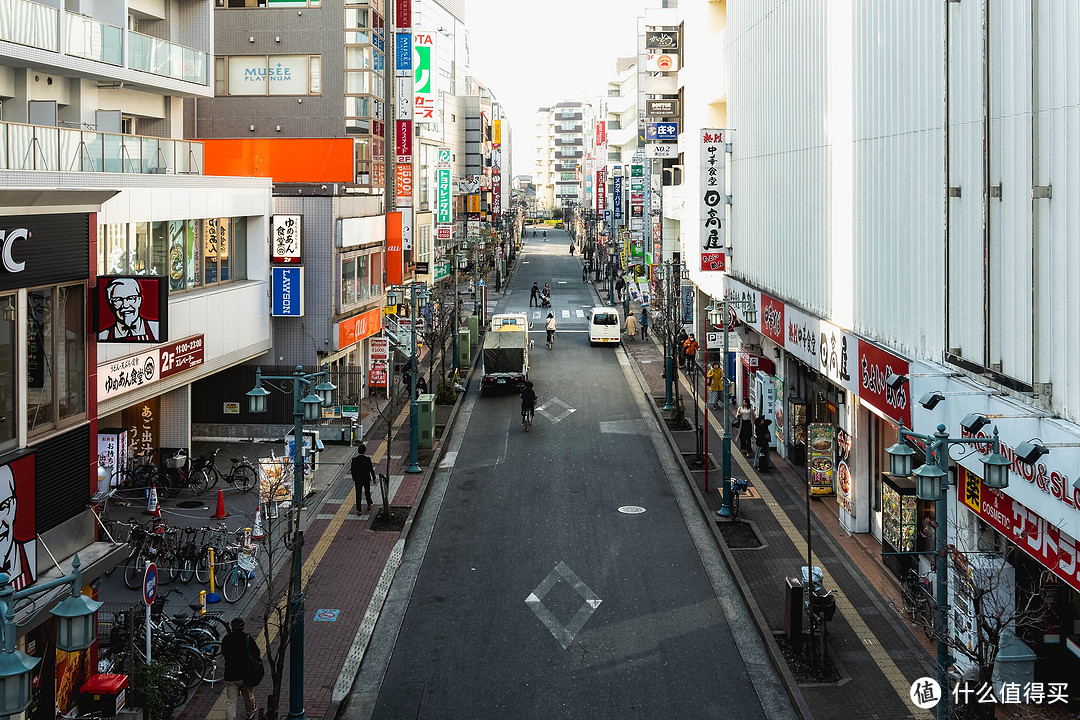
{"x":496,"y":133}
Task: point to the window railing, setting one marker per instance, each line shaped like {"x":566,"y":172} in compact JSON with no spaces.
{"x":29,"y":23}
{"x":93,"y":40}
{"x":160,"y":57}
{"x":40,"y":147}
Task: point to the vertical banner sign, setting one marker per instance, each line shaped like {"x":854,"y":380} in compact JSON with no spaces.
{"x":713,"y":199}
{"x":424,"y":76}
{"x":601,"y":132}
{"x":285,"y":243}
{"x":601,"y":190}
{"x":616,"y":197}
{"x":403,"y":130}
{"x":442,"y":179}
{"x":496,"y":169}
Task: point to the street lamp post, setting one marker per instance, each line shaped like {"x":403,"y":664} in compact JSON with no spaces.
{"x":932,"y":484}
{"x":309,"y":407}
{"x":415,"y":289}
{"x":77,"y":630}
{"x":724,"y":308}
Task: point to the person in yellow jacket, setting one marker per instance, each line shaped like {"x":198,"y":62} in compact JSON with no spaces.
{"x":715,"y":378}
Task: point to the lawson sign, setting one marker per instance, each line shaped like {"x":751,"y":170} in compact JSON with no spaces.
{"x":287,"y":292}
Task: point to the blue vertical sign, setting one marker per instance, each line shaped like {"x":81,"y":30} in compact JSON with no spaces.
{"x":616,"y":196}
{"x":287,"y":292}
{"x":403,"y":56}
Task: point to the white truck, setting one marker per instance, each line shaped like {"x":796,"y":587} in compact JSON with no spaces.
{"x":506,"y":352}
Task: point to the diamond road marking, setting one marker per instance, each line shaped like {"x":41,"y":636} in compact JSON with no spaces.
{"x":555,"y":410}
{"x":563,"y":633}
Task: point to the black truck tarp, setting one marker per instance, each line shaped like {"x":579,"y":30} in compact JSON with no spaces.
{"x":504,"y":352}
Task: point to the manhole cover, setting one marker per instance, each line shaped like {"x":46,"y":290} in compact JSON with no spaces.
{"x":631,"y":510}
{"x":186,"y":504}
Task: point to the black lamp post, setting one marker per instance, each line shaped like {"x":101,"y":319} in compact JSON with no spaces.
{"x":309,"y":407}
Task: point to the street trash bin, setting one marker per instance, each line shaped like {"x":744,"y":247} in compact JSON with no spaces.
{"x":793,"y":597}
{"x":103,"y":695}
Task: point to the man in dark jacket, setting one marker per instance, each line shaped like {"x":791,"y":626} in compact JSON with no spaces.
{"x":363,"y":472}
{"x":534,"y":295}
{"x":237,"y":647}
{"x":763,"y":437}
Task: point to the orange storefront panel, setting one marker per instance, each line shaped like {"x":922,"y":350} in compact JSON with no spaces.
{"x":283,"y":159}
{"x":355,"y":329}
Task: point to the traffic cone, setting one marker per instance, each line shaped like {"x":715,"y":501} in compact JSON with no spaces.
{"x":220,"y":512}
{"x":257,"y":533}
{"x":152,"y":503}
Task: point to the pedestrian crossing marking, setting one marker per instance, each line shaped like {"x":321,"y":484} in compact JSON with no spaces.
{"x":581,"y":313}
{"x":566,"y":313}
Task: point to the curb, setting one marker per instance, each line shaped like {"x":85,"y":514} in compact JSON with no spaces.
{"x":779,"y":664}
{"x":334,"y":707}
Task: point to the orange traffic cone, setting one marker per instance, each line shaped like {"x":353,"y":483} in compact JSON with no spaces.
{"x":220,"y":512}
{"x":152,"y":503}
{"x":257,"y":533}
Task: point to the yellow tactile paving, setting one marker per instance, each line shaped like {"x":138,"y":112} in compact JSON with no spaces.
{"x":885,"y":663}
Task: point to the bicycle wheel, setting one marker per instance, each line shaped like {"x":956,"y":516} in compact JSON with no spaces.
{"x":202,"y":567}
{"x":187,"y":566}
{"x":235,"y":584}
{"x":133,"y":571}
{"x":199,"y":481}
{"x":213,"y":623}
{"x":734,"y":505}
{"x":215,"y":664}
{"x":244,"y":477}
{"x":192,"y":665}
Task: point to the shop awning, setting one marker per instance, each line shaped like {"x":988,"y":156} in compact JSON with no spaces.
{"x":52,"y":200}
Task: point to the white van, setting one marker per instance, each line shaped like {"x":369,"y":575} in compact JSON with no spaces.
{"x":605,"y":325}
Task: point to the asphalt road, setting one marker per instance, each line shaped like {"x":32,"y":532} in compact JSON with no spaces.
{"x":526,"y":593}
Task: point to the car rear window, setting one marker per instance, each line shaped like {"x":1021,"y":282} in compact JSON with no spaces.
{"x":605,"y":318}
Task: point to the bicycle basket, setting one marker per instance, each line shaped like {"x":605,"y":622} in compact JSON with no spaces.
{"x":176,"y":461}
{"x":246,"y":562}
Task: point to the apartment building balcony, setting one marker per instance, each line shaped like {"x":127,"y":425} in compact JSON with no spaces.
{"x":565,"y":142}
{"x":565,"y":154}
{"x":42,"y":147}
{"x":574,"y":130}
{"x":569,"y":116}
{"x":622,"y":136}
{"x":51,"y":39}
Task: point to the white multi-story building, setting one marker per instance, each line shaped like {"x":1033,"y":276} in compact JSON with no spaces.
{"x":622,"y":112}
{"x":564,"y":137}
{"x":899,"y":213}
{"x":96,"y":180}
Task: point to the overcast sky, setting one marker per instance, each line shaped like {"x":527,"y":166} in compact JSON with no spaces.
{"x":533,"y":54}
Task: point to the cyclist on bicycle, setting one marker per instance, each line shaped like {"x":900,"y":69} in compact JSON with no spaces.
{"x":550,"y":326}
{"x":528,"y":401}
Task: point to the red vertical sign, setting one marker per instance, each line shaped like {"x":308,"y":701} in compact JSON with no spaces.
{"x":403,"y":13}
{"x":394,"y":270}
{"x":601,"y":189}
{"x":601,"y":132}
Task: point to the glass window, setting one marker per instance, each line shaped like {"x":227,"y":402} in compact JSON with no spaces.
{"x":71,"y":351}
{"x":139,"y":253}
{"x":113,"y":242}
{"x":39,"y":360}
{"x":210,"y":239}
{"x":8,"y":369}
{"x":159,"y":248}
{"x":177,"y":256}
{"x":238,"y":249}
{"x":348,"y":282}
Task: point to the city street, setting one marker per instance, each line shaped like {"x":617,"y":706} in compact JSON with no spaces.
{"x":565,"y":572}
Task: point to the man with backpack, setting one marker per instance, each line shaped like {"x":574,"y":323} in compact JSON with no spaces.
{"x":243,"y":669}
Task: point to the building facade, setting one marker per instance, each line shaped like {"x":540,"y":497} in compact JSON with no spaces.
{"x":899,"y":237}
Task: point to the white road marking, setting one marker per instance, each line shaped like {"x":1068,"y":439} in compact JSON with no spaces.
{"x":581,"y":313}
{"x":590,"y":602}
{"x":566,"y":314}
{"x":559,"y":410}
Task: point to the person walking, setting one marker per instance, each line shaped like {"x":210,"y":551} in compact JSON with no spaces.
{"x":534,"y":296}
{"x":363,"y":474}
{"x":644,"y":322}
{"x":746,"y":428}
{"x":585,"y":271}
{"x":761,"y":430}
{"x":571,"y":248}
{"x":691,"y":348}
{"x":241,"y":654}
{"x":680,"y":347}
{"x":631,"y":326}
{"x":546,"y":292}
{"x":715,"y":379}
{"x":619,"y":285}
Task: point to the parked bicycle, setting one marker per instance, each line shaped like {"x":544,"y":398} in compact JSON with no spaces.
{"x":206,"y":474}
{"x":738,"y":487}
{"x":132,"y":483}
{"x":919,"y":604}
